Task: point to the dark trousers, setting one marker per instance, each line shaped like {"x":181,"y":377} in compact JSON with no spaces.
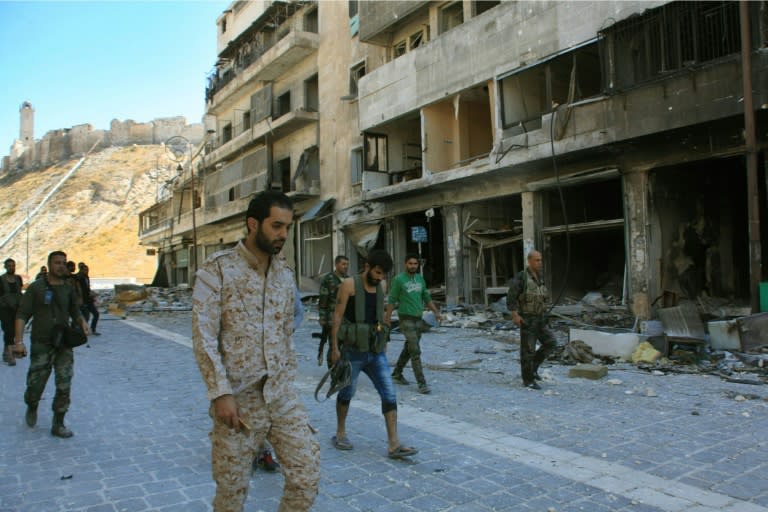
{"x":325,"y":338}
{"x":534,"y":328}
{"x":89,"y":311}
{"x":8,"y":321}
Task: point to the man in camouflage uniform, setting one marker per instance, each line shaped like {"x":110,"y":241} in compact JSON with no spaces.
{"x":326,"y":303}
{"x":49,"y":302}
{"x":527,"y":300}
{"x":242,"y":321}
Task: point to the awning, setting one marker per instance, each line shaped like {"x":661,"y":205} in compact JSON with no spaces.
{"x":318,"y":210}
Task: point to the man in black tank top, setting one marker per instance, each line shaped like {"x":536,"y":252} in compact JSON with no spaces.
{"x":360,"y":327}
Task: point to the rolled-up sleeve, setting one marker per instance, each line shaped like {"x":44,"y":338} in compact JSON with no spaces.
{"x":206,"y":325}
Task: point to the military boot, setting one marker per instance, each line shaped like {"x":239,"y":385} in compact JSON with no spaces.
{"x":397,"y":374}
{"x":58,"y":429}
{"x":31,"y":416}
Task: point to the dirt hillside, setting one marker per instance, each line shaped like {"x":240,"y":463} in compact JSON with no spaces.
{"x":93,"y":217}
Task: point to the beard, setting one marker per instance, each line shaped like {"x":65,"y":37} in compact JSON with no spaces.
{"x":371,"y":280}
{"x":267,"y":245}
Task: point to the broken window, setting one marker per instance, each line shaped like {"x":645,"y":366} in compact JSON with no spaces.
{"x":451,"y":16}
{"x":669,"y":38}
{"x":226,"y":133}
{"x":356,"y":164}
{"x":536,"y":90}
{"x":483,"y":5}
{"x":311,"y":94}
{"x":399,"y":48}
{"x":281,"y":175}
{"x":418,"y":39}
{"x":375,"y":152}
{"x":283,"y":104}
{"x":310,"y":22}
{"x":356,"y":72}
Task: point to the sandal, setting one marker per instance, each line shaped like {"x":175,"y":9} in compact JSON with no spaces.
{"x":402,"y":452}
{"x":341,"y":443}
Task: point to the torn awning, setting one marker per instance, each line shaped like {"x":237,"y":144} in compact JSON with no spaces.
{"x":363,"y":236}
{"x":318,"y":210}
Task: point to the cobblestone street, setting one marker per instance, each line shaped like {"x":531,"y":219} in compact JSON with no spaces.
{"x":632,"y":441}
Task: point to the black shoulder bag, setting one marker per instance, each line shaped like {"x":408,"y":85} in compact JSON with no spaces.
{"x":63,"y":334}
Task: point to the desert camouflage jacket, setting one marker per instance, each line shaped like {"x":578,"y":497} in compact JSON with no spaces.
{"x":242,"y":323}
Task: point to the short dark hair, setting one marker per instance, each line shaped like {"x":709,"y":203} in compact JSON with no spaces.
{"x":411,"y":256}
{"x":9,"y":260}
{"x":71,"y":265}
{"x":54,"y":254}
{"x":340,"y":258}
{"x":262,"y":203}
{"x":379,"y":258}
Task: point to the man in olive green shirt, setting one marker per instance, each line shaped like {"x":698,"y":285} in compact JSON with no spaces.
{"x":409,"y":294}
{"x":50,"y":302}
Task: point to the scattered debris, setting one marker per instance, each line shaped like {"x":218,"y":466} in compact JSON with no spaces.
{"x":645,"y":353}
{"x":588,"y":371}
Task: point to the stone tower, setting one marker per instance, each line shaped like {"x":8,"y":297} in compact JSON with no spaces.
{"x":27,"y":124}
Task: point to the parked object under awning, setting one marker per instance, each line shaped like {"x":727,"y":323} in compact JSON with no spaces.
{"x":363,"y":236}
{"x":318,"y":210}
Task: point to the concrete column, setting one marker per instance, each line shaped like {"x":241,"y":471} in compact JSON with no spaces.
{"x":636,"y":221}
{"x":529,"y":223}
{"x":455,"y":287}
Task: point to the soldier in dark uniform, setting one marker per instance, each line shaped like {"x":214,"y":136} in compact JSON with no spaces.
{"x":527,"y":300}
{"x":49,"y":302}
{"x":10,"y":296}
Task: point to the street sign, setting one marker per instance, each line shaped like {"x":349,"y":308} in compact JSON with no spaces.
{"x":419,"y":234}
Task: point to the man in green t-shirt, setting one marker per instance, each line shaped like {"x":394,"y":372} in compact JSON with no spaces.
{"x":409,"y":295}
{"x":50,"y":302}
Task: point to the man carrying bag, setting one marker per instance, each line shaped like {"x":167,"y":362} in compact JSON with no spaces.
{"x":50,"y":302}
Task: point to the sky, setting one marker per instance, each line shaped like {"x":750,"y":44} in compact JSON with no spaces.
{"x":94,"y":61}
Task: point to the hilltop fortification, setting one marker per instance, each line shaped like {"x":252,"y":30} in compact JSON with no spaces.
{"x":58,"y":145}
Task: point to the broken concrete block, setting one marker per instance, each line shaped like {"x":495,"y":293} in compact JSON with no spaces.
{"x":115,"y":309}
{"x":588,"y":371}
{"x":724,"y":335}
{"x":645,"y":353}
{"x":606,"y":343}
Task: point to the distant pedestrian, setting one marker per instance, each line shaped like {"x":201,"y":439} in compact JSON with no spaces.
{"x":242,"y":322}
{"x":9,"y":305}
{"x":409,"y":294}
{"x":527,"y":299}
{"x":50,"y":302}
{"x":326,"y":303}
{"x":43,"y":272}
{"x":360,"y":336}
{"x":88,"y":308}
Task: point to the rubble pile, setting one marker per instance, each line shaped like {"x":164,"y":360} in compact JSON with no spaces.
{"x":147,"y":299}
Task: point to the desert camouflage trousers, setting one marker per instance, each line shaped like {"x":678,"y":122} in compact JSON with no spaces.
{"x":285,"y":424}
{"x":43,"y":359}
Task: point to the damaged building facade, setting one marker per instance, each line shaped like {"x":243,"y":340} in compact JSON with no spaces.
{"x":610,"y":135}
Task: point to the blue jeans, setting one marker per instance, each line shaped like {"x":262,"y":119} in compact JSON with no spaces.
{"x":376,"y":367}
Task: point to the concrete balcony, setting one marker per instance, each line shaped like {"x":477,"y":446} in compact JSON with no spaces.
{"x":277,"y":128}
{"x":279,"y":59}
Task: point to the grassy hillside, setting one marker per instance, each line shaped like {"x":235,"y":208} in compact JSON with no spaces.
{"x":93,"y":217}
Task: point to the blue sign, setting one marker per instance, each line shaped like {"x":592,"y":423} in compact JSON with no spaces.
{"x":419,"y":234}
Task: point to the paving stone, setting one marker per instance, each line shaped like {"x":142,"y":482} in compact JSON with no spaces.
{"x":486,"y":442}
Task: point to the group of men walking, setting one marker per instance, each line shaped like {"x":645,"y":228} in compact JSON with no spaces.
{"x":243,"y":309}
{"x":58,"y":298}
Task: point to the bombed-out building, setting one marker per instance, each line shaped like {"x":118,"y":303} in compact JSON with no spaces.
{"x":614,"y":136}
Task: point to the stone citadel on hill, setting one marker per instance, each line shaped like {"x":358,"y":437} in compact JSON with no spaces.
{"x":63,"y":143}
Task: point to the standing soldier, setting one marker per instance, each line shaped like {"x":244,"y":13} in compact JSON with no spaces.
{"x":242,"y":322}
{"x":50,"y":302}
{"x":326,"y":303}
{"x":9,"y":304}
{"x":527,"y":300}
{"x":409,"y":293}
